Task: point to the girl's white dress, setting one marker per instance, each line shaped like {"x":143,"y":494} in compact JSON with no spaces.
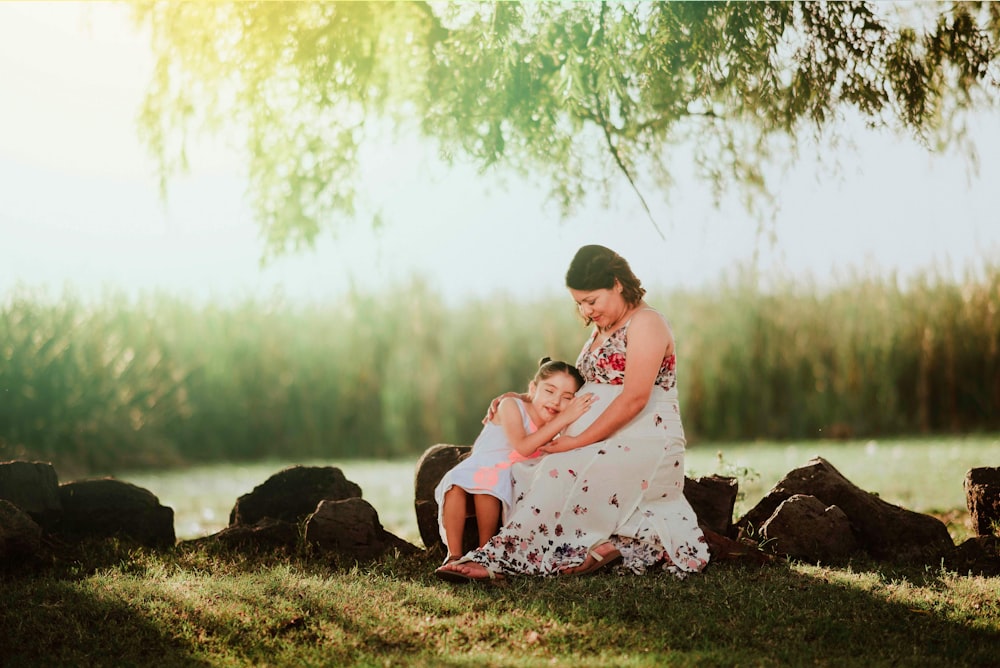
{"x":487,"y":468}
{"x":628,"y":488}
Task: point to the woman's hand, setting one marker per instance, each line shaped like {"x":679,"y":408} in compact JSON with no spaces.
{"x":561,"y":444}
{"x":491,"y":412}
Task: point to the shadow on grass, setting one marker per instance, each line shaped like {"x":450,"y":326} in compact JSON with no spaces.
{"x":737,"y":615}
{"x":295,"y":609}
{"x":62,"y":624}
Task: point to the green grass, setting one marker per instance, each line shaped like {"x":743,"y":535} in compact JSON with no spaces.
{"x":193,"y":608}
{"x":111,"y":604}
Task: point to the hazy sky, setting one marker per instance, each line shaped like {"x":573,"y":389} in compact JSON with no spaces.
{"x":79,"y":206}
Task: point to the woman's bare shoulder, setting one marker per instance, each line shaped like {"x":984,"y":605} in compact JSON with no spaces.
{"x":649,"y":325}
{"x":649,"y":317}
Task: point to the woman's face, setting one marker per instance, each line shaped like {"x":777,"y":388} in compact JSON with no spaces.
{"x":602,"y":307}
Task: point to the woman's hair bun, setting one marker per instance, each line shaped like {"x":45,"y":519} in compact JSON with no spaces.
{"x":544,"y":360}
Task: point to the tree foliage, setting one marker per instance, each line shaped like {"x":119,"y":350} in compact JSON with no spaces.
{"x":576,"y":94}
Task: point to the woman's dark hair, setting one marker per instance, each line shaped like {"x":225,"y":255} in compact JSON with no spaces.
{"x":547,"y":367}
{"x":597,"y":268}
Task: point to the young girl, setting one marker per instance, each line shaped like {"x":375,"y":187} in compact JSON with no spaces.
{"x":515,"y":433}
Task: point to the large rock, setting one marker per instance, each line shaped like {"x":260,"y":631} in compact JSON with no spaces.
{"x":107,"y":507}
{"x":433,"y":464}
{"x":351,"y":528}
{"x":20,"y":536}
{"x":33,"y":487}
{"x":982,"y":495}
{"x":292,"y":494}
{"x":711,"y":497}
{"x":884,"y":530}
{"x":803,"y":527}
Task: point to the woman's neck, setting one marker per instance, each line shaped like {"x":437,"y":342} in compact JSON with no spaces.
{"x":622,"y":319}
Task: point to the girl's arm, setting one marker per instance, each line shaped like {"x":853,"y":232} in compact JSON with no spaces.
{"x":509,"y":417}
{"x":649,"y":340}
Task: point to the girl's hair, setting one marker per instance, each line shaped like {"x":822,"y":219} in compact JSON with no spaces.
{"x":597,"y":268}
{"x":547,"y":367}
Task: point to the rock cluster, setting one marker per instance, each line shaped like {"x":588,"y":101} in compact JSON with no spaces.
{"x":33,"y":505}
{"x":317,"y":505}
{"x":813,"y":514}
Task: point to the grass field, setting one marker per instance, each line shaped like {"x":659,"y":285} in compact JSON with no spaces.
{"x":190,"y":607}
{"x":111,"y":604}
{"x":925,"y":475}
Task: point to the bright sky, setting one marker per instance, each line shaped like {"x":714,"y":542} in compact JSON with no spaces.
{"x":79,"y":206}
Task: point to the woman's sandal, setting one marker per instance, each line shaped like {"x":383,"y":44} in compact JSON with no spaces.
{"x":451,"y":575}
{"x":598,"y":560}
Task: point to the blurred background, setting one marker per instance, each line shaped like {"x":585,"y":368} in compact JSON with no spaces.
{"x":142,"y":332}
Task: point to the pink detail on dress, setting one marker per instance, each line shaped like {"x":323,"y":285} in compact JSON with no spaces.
{"x":486,"y":477}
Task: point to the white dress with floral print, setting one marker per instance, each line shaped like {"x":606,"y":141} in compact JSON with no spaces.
{"x":628,"y":488}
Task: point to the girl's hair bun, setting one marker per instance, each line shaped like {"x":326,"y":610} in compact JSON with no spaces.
{"x":547,"y":367}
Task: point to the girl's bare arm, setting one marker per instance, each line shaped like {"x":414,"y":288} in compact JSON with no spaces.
{"x":509,"y":417}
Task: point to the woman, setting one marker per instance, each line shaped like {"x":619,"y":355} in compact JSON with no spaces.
{"x":611,"y":488}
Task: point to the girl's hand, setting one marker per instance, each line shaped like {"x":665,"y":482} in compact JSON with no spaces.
{"x":491,"y":412}
{"x":580,"y":405}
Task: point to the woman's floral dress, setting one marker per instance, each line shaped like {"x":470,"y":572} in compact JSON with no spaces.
{"x":628,"y":488}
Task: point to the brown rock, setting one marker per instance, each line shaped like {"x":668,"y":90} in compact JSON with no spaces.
{"x":978,"y":556}
{"x":803,"y":527}
{"x":107,"y":507}
{"x":982,"y":496}
{"x":884,"y":530}
{"x":433,"y":464}
{"x":352,"y":529}
{"x":265,"y":534}
{"x":292,"y":494}
{"x":33,"y":487}
{"x":20,"y":536}
{"x":713,"y":499}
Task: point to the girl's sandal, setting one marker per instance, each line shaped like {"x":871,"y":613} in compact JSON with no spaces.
{"x":598,"y":559}
{"x":450,"y":575}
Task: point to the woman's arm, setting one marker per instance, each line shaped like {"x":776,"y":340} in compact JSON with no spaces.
{"x":509,"y":417}
{"x":649,"y":340}
{"x":491,"y":412}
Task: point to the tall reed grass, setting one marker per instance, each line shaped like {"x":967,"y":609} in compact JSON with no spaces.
{"x":154,"y":381}
{"x":870,"y":357}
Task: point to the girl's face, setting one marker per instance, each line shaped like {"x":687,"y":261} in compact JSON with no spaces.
{"x":550,"y":395}
{"x":602,"y":307}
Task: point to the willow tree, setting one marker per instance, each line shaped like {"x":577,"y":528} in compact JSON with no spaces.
{"x":577,"y":95}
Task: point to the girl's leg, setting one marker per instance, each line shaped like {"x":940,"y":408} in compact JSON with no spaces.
{"x":487,"y":516}
{"x":453,"y":515}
